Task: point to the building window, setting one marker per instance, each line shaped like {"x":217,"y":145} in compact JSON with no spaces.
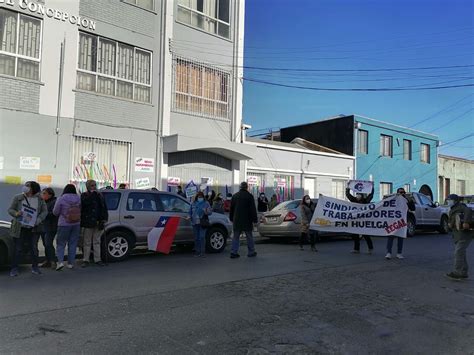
{"x":112,"y":68}
{"x":406,"y":187}
{"x":386,"y":146}
{"x":146,"y":4}
{"x":363,"y":141}
{"x":20,"y":45}
{"x":406,"y":149}
{"x":212,"y":16}
{"x":200,"y":89}
{"x":385,"y":189}
{"x":461,"y":187}
{"x":106,"y":161}
{"x":447,"y":186}
{"x":425,"y":153}
{"x":338,"y":189}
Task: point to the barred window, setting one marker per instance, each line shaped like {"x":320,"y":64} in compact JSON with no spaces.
{"x":20,"y":45}
{"x":112,"y":68}
{"x":212,"y":16}
{"x":146,"y":4}
{"x":106,"y":161}
{"x":199,"y":89}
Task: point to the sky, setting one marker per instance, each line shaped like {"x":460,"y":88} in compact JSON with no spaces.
{"x":313,"y":40}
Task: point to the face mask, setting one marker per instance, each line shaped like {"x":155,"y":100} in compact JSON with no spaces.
{"x":25,"y":189}
{"x":200,"y":199}
{"x":307,"y":201}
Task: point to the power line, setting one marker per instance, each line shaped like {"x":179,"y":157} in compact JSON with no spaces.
{"x":454,"y":119}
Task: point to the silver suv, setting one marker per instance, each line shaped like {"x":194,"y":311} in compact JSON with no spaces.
{"x":133,"y":213}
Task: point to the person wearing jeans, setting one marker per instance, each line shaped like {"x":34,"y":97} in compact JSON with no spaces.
{"x":199,"y":208}
{"x":243,"y":215}
{"x":362,"y":199}
{"x":68,"y":208}
{"x":50,"y":229}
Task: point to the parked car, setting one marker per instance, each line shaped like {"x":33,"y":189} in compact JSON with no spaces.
{"x":6,"y":243}
{"x":133,"y":213}
{"x":428,"y":215}
{"x":284,"y":221}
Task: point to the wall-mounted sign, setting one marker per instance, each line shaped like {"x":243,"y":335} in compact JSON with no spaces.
{"x":44,"y":179}
{"x":252,"y":180}
{"x":89,"y":156}
{"x":144,"y":165}
{"x":30,"y":163}
{"x":143,"y":183}
{"x":281,"y":182}
{"x":174,"y":181}
{"x":13,"y":180}
{"x":2,"y":159}
{"x":59,"y":15}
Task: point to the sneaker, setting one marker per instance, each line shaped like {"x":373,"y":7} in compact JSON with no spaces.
{"x":355,"y":251}
{"x":85,"y":264}
{"x":45,"y":264}
{"x":454,"y":276}
{"x":59,"y":267}
{"x":234,"y":256}
{"x":35,"y":270}
{"x":388,"y":256}
{"x":400,"y":256}
{"x":251,"y":255}
{"x":14,"y":272}
{"x":100,"y":263}
{"x":70,"y":266}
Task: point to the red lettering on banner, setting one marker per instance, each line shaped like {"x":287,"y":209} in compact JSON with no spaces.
{"x":396,"y":226}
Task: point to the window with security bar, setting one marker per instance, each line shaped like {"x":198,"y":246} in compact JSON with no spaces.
{"x":113,"y":68}
{"x":212,"y":16}
{"x":106,"y":161}
{"x":200,"y":89}
{"x":20,"y":45}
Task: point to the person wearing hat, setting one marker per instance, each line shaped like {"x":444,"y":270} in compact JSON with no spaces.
{"x":461,"y":225}
{"x":243,"y":215}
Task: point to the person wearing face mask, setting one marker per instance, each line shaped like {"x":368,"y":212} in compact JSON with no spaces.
{"x":262,"y":203}
{"x":218,"y":204}
{"x":28,"y":211}
{"x":411,"y":208}
{"x":94,"y":215}
{"x":199,"y":216}
{"x":307,"y":210}
{"x":461,"y":223}
{"x":50,"y":228}
{"x":362,"y":199}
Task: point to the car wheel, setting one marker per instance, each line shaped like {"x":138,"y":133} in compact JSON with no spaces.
{"x":3,"y":255}
{"x":118,"y":246}
{"x":216,"y":239}
{"x":411,"y":226}
{"x":444,"y":225}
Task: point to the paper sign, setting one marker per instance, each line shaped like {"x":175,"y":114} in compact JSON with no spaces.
{"x":44,"y":179}
{"x":143,"y":183}
{"x":144,"y":165}
{"x":387,"y":217}
{"x":2,"y":159}
{"x":174,"y":181}
{"x":89,"y":156}
{"x":30,"y":163}
{"x":360,"y":186}
{"x":191,"y":191}
{"x":281,"y":182}
{"x":252,"y":180}
{"x":28,"y":216}
{"x":13,"y":180}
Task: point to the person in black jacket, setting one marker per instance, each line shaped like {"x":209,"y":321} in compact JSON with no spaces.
{"x":94,"y":214}
{"x":262,"y":203}
{"x":243,"y":215}
{"x":363,"y":199}
{"x":50,"y":228}
{"x":411,"y":207}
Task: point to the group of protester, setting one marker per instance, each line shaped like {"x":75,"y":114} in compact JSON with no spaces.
{"x":63,"y":218}
{"x":39,"y":214}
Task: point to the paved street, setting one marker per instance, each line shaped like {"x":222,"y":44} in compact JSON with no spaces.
{"x":283,"y":301}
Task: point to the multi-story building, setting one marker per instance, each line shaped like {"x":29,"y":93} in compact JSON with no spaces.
{"x":392,"y":156}
{"x":455,"y":176}
{"x":140,"y":92}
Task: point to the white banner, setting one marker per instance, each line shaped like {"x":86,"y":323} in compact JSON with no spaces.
{"x":387,"y":217}
{"x":360,"y":186}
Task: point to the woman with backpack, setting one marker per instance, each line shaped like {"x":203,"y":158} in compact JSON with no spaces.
{"x":68,"y":208}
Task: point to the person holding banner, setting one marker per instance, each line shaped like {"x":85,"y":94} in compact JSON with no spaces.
{"x":307,"y":210}
{"x":362,"y":199}
{"x":28,"y":210}
{"x":411,"y":207}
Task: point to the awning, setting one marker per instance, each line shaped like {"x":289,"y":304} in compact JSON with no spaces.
{"x":230,"y":150}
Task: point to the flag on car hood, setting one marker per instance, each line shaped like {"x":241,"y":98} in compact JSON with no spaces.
{"x":162,"y":235}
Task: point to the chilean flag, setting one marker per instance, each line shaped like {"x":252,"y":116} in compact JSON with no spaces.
{"x":162,"y":235}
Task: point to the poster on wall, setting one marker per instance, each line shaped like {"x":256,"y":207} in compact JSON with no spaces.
{"x":281,"y":182}
{"x":30,"y":163}
{"x":142,"y":183}
{"x":2,"y":159}
{"x":144,"y":165}
{"x":89,"y":157}
{"x":252,"y":180}
{"x":174,"y":181}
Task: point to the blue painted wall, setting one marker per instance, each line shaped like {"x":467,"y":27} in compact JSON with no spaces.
{"x":396,"y":170}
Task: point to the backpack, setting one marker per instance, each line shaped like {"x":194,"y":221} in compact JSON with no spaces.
{"x":73,"y":214}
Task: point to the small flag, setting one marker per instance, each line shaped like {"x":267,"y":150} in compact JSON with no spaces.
{"x":161,"y":237}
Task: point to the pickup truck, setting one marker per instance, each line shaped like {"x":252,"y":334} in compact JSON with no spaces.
{"x":428,"y":215}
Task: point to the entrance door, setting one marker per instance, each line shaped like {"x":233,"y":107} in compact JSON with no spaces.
{"x":309,"y":186}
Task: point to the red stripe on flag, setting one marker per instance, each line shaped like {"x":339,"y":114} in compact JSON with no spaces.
{"x":167,"y":236}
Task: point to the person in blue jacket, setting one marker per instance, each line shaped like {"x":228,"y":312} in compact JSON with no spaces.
{"x":199,"y":215}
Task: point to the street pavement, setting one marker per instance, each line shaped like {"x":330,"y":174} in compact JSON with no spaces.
{"x":282,"y":301}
